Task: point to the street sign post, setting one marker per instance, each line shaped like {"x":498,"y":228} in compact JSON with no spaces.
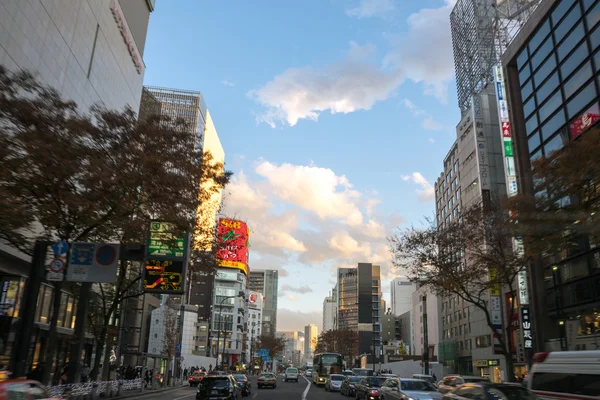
{"x":162,"y":243}
{"x":60,"y":248}
{"x":93,"y":262}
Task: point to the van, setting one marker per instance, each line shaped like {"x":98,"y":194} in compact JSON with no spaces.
{"x":561,"y":375}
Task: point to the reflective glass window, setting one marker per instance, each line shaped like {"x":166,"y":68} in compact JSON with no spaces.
{"x":529,"y":106}
{"x":544,"y":71}
{"x":522,"y":58}
{"x":570,"y":42}
{"x":552,"y":104}
{"x":541,"y":54}
{"x":581,"y":100}
{"x":578,"y":79}
{"x":587,"y":3}
{"x":548,"y":87}
{"x":595,"y":38}
{"x":566,"y":24}
{"x":574,"y":60}
{"x":561,"y":10}
{"x":534,"y":141}
{"x":553,"y":124}
{"x":525,"y":73}
{"x":531,"y":124}
{"x":593,"y":16}
{"x":536,"y":156}
{"x":597,"y":60}
{"x":556,"y":143}
{"x":539,"y":37}
{"x":526,"y":90}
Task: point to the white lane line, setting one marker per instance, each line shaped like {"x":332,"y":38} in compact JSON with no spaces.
{"x":307,"y":388}
{"x":185,"y":397}
{"x":254,"y":395}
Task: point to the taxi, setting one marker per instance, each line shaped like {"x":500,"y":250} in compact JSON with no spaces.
{"x":23,"y":389}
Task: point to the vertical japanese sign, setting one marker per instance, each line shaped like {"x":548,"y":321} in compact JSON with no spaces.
{"x":481,"y":146}
{"x":233,"y":238}
{"x":165,"y":264}
{"x":526,"y":327}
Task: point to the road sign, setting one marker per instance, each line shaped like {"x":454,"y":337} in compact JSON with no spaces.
{"x":178,"y":354}
{"x":55,"y":276}
{"x":263,"y":352}
{"x":266,"y":358}
{"x":93,"y":262}
{"x":162,"y":242}
{"x":164,"y":276}
{"x":57,"y":265}
{"x":178,"y":347}
{"x":60,"y":248}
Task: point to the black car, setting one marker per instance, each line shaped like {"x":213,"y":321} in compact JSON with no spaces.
{"x":488,"y":390}
{"x":222,"y":387}
{"x":368,"y":387}
{"x":347,"y":387}
{"x":243,"y":384}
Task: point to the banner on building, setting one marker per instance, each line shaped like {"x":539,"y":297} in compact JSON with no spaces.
{"x":232,"y":251}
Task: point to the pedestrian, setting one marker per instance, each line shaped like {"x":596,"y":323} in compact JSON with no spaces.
{"x":185,"y":373}
{"x":434,"y":377}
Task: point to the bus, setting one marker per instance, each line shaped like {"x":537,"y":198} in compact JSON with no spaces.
{"x":325,"y":364}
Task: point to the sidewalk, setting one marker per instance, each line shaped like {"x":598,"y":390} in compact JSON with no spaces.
{"x":149,"y":392}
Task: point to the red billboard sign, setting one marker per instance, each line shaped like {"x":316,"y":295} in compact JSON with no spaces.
{"x":233,"y":244}
{"x":506,"y":129}
{"x":585,"y":121}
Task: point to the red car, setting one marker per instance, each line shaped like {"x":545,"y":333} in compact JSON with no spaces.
{"x":196,"y":378}
{"x":267,"y":379}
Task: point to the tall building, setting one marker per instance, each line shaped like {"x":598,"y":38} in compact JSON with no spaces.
{"x":253,"y":323}
{"x":481,"y":31}
{"x":401,"y":290}
{"x":291,"y":354}
{"x":433,"y":311}
{"x":90,"y":51}
{"x":551,"y":70}
{"x":311,"y":335}
{"x":369,"y":310}
{"x":329,"y":310}
{"x":347,"y":299}
{"x":267,"y":283}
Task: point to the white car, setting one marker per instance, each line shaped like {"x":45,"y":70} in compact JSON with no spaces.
{"x":309,"y":373}
{"x":291,"y":374}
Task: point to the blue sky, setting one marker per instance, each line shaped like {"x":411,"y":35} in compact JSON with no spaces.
{"x":335,"y":116}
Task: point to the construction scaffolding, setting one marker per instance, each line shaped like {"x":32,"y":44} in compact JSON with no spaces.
{"x":481,"y":31}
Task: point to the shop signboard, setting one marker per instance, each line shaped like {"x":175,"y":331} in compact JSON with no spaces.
{"x":526,"y":328}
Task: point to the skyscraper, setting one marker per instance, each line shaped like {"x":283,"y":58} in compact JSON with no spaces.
{"x":311,"y":334}
{"x":329,"y":310}
{"x":347,"y":299}
{"x":401,"y":290}
{"x":267,"y":283}
{"x":369,"y":310}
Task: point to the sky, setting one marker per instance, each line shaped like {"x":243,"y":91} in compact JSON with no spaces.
{"x":335,"y":117}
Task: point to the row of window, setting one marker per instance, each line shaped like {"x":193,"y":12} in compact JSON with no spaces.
{"x":463,"y":329}
{"x":458,"y":315}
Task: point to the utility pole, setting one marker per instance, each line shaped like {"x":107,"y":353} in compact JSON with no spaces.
{"x":425,"y":337}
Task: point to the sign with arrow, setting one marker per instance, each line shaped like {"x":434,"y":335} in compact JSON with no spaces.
{"x":164,"y":276}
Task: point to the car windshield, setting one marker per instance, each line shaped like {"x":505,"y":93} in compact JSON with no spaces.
{"x":215,"y":383}
{"x":292,"y":371}
{"x":510,"y":393}
{"x":266,"y":376}
{"x":355,"y":379}
{"x":336,"y":377}
{"x":474,"y":380}
{"x":240,"y":377}
{"x":375,"y":381}
{"x":417,"y":385}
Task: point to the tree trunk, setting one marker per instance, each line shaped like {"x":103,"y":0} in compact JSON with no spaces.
{"x":106,"y":363}
{"x":100,"y":342}
{"x":51,"y":346}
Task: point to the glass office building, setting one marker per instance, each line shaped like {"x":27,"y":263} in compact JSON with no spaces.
{"x":553,"y":78}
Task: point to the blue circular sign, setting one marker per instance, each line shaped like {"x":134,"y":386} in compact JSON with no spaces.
{"x":106,"y":255}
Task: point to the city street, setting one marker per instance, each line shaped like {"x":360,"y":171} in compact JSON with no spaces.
{"x":286,"y":391}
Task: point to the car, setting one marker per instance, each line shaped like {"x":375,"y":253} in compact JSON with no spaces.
{"x":291,"y":374}
{"x":308,"y":373}
{"x":405,"y":388}
{"x":334,"y":382}
{"x":347,"y":373}
{"x":243,"y":384}
{"x":222,"y":387}
{"x":196,"y":378}
{"x":489,"y":390}
{"x":450,"y":382}
{"x":348,"y":384}
{"x":267,"y":379}
{"x":368,"y":388}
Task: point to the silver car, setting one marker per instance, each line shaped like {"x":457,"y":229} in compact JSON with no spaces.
{"x":408,"y":388}
{"x":333,"y":383}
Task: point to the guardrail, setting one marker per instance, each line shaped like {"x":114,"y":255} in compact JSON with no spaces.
{"x":96,"y":389}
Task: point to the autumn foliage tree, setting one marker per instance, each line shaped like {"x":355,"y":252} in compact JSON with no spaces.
{"x":97,"y":176}
{"x":343,"y":341}
{"x":467,"y":259}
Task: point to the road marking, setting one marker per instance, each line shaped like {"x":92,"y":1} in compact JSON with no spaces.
{"x":184,"y":397}
{"x":305,"y":390}
{"x":254,"y":396}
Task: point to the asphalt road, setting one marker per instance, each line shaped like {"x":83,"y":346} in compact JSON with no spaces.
{"x":303,"y":390}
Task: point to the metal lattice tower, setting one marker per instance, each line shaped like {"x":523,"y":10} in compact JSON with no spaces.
{"x":481,"y":32}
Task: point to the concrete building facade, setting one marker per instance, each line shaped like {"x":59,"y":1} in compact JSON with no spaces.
{"x":311,"y":335}
{"x":329,"y":311}
{"x":401,"y":290}
{"x":433,"y":326}
{"x":253,"y":323}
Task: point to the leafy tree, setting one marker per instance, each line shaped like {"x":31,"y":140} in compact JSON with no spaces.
{"x":274,"y":344}
{"x":343,"y":341}
{"x":466,"y":259}
{"x":402,"y":348}
{"x":99,"y":176}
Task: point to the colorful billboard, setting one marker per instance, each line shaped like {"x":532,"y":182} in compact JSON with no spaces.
{"x":233,"y":244}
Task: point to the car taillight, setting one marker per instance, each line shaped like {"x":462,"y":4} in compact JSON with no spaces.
{"x":540,"y":357}
{"x":374,"y":391}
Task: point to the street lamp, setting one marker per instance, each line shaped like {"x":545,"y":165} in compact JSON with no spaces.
{"x":240,"y":294}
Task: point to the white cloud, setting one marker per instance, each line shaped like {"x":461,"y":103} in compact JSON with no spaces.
{"x":425,"y":54}
{"x":346,"y":86}
{"x":291,"y":297}
{"x":227,"y":83}
{"x":427,"y":122}
{"x":431,"y":140}
{"x":372,"y":8}
{"x":426,"y":192}
{"x":285,"y":289}
{"x":294,"y":320}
